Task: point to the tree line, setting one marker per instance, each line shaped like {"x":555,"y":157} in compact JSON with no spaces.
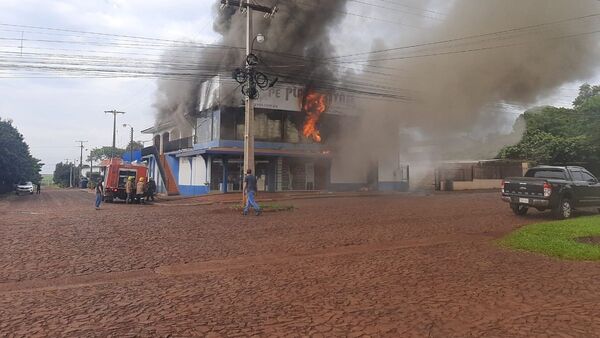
{"x":562,"y":136}
{"x":16,"y":163}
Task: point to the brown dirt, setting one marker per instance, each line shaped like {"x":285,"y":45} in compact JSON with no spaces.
{"x":595,"y":240}
{"x":400,"y":265}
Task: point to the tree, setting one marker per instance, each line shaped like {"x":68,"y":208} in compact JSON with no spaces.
{"x":561,"y":135}
{"x":585,"y":92}
{"x":104,"y":153}
{"x":62,"y":174}
{"x":16,"y":162}
{"x":135,"y":145}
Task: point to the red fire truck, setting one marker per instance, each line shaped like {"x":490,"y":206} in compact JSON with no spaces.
{"x":116,"y":172}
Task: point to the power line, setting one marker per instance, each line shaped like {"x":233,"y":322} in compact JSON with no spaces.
{"x":470,"y":36}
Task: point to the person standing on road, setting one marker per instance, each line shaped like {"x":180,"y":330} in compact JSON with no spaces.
{"x":250,"y":192}
{"x":129,"y":189}
{"x":140,"y":190}
{"x":151,"y":190}
{"x":99,"y":193}
{"x":38,"y":188}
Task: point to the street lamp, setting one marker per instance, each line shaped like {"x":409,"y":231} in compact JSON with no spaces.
{"x":258,"y":38}
{"x":125,"y":125}
{"x":250,"y":79}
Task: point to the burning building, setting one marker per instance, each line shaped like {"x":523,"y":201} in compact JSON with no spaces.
{"x":296,"y":143}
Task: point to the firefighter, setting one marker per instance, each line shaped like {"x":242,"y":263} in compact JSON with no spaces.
{"x":129,"y":189}
{"x":141,"y":190}
{"x":151,"y":190}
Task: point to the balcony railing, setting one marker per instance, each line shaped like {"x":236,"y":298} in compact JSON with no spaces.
{"x":175,"y":145}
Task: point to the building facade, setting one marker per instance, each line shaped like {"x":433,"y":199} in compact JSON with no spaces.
{"x":210,"y":157}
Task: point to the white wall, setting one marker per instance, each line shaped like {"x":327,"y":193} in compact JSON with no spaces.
{"x":185,"y":171}
{"x":199,"y":171}
{"x":390,"y":170}
{"x":193,"y":173}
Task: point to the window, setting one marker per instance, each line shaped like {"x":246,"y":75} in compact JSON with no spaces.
{"x":588,"y":177}
{"x":577,"y":176}
{"x":124,"y":176}
{"x":546,"y":173}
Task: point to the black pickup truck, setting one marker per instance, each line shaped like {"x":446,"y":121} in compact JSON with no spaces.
{"x":560,"y":189}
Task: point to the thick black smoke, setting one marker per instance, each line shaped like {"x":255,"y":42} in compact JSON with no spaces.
{"x":297,"y":40}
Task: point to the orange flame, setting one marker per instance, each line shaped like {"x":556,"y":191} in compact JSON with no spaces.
{"x":314,"y":106}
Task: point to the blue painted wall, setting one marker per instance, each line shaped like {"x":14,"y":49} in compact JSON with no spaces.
{"x":193,"y":190}
{"x":174,"y":164}
{"x":258,"y":145}
{"x":393,"y":186}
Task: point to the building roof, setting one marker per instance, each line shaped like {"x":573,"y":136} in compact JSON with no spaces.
{"x":158,"y":128}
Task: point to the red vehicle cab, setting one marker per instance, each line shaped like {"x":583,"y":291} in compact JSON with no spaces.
{"x":116,"y":172}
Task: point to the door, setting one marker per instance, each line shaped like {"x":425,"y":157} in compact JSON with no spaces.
{"x":580,"y":188}
{"x":593,"y":188}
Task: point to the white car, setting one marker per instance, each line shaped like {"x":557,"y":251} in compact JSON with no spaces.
{"x":25,"y":187}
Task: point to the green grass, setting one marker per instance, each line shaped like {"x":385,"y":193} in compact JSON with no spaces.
{"x":267,"y":207}
{"x":558,"y":239}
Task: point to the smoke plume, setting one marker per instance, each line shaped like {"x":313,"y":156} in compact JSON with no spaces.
{"x":299,"y":33}
{"x":464,"y":88}
{"x":451,"y":84}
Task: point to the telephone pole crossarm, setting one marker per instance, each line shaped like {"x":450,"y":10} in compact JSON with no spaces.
{"x":114,"y":144}
{"x":255,"y":7}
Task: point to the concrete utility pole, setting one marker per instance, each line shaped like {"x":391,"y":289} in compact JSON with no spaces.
{"x":114,"y":144}
{"x":70,"y":171}
{"x":249,"y":115}
{"x":251,"y":61}
{"x":130,"y":142}
{"x":91,"y":165}
{"x":71,"y":175}
{"x":81,"y":156}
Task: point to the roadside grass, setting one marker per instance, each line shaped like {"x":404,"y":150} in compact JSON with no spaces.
{"x":267,"y":207}
{"x":558,"y":239}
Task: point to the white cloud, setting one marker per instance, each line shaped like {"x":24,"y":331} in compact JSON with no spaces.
{"x":53,"y":113}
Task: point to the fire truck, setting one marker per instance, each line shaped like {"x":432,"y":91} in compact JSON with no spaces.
{"x":116,"y":172}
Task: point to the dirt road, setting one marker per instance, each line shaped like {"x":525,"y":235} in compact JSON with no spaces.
{"x":397,"y":266}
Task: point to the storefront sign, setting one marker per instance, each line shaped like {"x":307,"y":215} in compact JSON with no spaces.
{"x":283,"y":96}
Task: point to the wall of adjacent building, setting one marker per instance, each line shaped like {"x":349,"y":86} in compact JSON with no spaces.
{"x":392,"y":175}
{"x":192,"y":177}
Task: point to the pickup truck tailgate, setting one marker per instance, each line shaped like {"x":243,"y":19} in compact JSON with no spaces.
{"x":524,"y":186}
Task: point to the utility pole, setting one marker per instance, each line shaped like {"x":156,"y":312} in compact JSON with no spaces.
{"x":249,"y":114}
{"x":249,"y":76}
{"x":130,"y":142}
{"x":71,"y":175}
{"x":114,"y":144}
{"x":81,"y":157}
{"x":70,"y":172}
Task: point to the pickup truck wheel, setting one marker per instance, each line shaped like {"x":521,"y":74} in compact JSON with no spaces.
{"x":519,"y":209}
{"x":564,"y":209}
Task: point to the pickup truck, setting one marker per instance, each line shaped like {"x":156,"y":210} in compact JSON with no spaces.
{"x":560,"y":189}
